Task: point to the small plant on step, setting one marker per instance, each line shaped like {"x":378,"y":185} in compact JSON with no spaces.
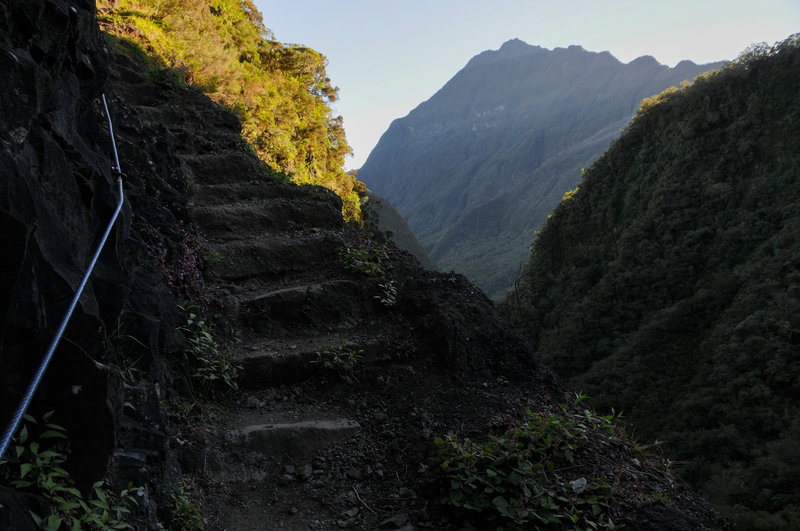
{"x":34,"y":462}
{"x":340,"y":361}
{"x":387,"y":293}
{"x":186,"y":411}
{"x":129,"y":370}
{"x":367,"y":262}
{"x":187,"y":501}
{"x":210,"y":365}
{"x":212,"y":259}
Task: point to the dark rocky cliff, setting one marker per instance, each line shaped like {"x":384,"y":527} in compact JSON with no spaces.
{"x":294,"y":444}
{"x":58,"y":196}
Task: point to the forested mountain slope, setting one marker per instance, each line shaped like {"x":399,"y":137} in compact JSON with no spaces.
{"x":668,"y":285}
{"x":384,"y":223}
{"x":477,"y":168}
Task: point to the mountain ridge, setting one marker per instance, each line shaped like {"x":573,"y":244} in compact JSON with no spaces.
{"x":488,"y":130}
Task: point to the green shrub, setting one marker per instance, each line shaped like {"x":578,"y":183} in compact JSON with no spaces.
{"x":388,"y":293}
{"x":187,"y":501}
{"x":526,"y":477}
{"x":280,"y":92}
{"x":35,"y":464}
{"x":367,"y":262}
{"x":210,"y":365}
{"x":340,"y":361}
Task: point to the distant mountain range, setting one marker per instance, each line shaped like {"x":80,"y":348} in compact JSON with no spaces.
{"x":477,"y":168}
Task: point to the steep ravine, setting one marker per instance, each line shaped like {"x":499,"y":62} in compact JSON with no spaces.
{"x":296,"y":447}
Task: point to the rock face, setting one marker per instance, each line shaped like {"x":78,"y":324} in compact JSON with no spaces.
{"x":477,"y":168}
{"x":57,"y":195}
{"x":308,"y":437}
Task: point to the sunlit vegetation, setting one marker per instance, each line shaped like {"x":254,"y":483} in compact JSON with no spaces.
{"x":668,"y":285}
{"x":280,"y":92}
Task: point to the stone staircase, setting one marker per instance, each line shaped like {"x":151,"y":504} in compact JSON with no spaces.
{"x":278,"y":282}
{"x":299,"y":447}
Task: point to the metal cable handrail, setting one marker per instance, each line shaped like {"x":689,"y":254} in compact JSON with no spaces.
{"x":111,"y":132}
{"x":26,"y":400}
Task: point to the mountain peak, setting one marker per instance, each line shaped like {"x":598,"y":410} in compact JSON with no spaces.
{"x":517,"y":47}
{"x":686,"y":64}
{"x":645,"y":60}
{"x":507,"y":115}
{"x":514,"y":44}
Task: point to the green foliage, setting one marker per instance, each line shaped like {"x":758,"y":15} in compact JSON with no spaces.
{"x":668,"y":286}
{"x":281,"y":93}
{"x":340,"y":361}
{"x":124,"y":346}
{"x":570,"y":194}
{"x":34,"y":462}
{"x":187,"y":411}
{"x":210,"y":365}
{"x":212,"y":259}
{"x":367,"y":262}
{"x":519,"y":479}
{"x":388,"y":293}
{"x":187,"y":502}
{"x":129,"y":371}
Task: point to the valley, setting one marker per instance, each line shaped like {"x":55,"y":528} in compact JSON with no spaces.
{"x":478,"y":167}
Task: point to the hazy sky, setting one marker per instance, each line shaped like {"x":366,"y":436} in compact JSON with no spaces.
{"x":388,"y":56}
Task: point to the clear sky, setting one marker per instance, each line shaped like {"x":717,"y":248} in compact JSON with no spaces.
{"x":388,"y":56}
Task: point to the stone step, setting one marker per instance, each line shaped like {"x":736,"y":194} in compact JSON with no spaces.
{"x":264,"y":362}
{"x":264,"y":189}
{"x":187,"y":140}
{"x":338,"y":304}
{"x":227,"y":193}
{"x":270,"y":256}
{"x":263,"y":440}
{"x":220,"y":166}
{"x":297,"y":439}
{"x":255,"y":216}
{"x":198,"y":111}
